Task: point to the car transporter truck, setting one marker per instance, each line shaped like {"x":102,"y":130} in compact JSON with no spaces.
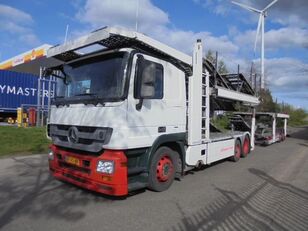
{"x":136,"y":113}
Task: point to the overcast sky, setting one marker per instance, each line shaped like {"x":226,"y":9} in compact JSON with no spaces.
{"x":222,"y":26}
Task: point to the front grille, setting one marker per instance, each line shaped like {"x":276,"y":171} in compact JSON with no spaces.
{"x":86,"y":163}
{"x":86,"y":129}
{"x":90,"y":139}
{"x":63,"y":127}
{"x":85,"y":141}
{"x":63,"y":138}
{"x":73,"y":167}
{"x":59,"y":156}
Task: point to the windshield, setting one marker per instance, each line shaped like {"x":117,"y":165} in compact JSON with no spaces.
{"x":99,"y":77}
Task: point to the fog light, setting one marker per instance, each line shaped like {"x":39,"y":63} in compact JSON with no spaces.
{"x":105,"y":166}
{"x":51,"y":155}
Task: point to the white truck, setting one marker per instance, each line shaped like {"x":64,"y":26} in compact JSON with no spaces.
{"x":136,"y":113}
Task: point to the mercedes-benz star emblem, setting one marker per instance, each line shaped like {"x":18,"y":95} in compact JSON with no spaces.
{"x":72,"y":135}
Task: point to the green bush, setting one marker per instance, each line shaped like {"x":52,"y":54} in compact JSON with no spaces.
{"x":221,"y":122}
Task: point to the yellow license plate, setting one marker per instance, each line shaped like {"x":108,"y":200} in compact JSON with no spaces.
{"x":72,"y":160}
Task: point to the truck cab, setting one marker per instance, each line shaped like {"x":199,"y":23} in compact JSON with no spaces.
{"x":109,"y":90}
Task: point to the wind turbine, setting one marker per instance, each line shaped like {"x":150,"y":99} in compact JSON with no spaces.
{"x":263,"y":14}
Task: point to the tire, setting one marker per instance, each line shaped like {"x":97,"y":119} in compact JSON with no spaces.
{"x":245,"y":147}
{"x":237,"y":151}
{"x":162,"y":169}
{"x":282,"y":137}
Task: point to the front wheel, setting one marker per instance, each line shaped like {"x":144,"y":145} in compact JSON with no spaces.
{"x":162,"y":169}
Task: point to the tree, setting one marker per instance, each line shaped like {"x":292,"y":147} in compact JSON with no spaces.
{"x":266,"y":101}
{"x":297,"y":115}
{"x":210,"y":56}
{"x":221,"y":67}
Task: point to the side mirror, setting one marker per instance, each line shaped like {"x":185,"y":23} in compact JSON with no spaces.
{"x":145,"y":81}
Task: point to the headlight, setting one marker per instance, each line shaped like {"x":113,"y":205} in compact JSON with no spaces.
{"x":105,"y":166}
{"x":51,"y":155}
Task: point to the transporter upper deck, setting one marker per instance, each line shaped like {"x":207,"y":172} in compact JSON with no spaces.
{"x":108,"y":38}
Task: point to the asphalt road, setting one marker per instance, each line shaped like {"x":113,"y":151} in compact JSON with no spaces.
{"x":268,"y":190}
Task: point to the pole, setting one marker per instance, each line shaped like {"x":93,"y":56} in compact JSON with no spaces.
{"x":262,"y":53}
{"x":43,"y":102}
{"x":255,"y":85}
{"x":251,"y":74}
{"x":137,"y":15}
{"x":285,"y":127}
{"x":253,"y":129}
{"x":38,"y":99}
{"x":66,"y":32}
{"x":216,"y":67}
{"x":274,"y":128}
{"x":260,"y":83}
{"x":49,"y":95}
{"x":238,"y":77}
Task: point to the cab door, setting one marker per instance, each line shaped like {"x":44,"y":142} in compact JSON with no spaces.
{"x":164,"y":112}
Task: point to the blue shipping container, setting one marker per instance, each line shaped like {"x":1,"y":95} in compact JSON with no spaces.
{"x":17,"y":89}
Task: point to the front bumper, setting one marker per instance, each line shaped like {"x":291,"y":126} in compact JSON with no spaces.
{"x":86,"y":176}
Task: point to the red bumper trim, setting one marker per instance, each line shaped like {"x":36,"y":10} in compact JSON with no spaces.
{"x":94,"y":181}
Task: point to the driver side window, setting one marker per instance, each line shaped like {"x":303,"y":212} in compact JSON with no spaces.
{"x":159,"y":79}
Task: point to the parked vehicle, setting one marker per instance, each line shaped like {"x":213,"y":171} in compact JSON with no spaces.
{"x":136,"y":113}
{"x":267,"y":130}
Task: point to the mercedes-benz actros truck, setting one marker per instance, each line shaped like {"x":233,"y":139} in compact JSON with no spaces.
{"x":135,"y":113}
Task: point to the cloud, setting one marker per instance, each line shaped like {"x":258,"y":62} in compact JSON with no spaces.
{"x":293,"y":76}
{"x":282,"y":38}
{"x":12,"y":27}
{"x":217,"y":6}
{"x":18,"y":24}
{"x":29,"y":38}
{"x":287,"y":37}
{"x":15,"y":15}
{"x":122,"y":13}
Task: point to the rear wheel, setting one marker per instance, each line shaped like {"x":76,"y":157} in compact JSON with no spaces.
{"x":237,"y":151}
{"x":162,"y":169}
{"x":282,"y":137}
{"x":246,"y":146}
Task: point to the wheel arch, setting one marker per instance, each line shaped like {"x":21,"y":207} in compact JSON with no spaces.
{"x":175,"y":142}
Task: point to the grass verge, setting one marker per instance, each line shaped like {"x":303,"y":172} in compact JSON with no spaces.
{"x":14,"y":141}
